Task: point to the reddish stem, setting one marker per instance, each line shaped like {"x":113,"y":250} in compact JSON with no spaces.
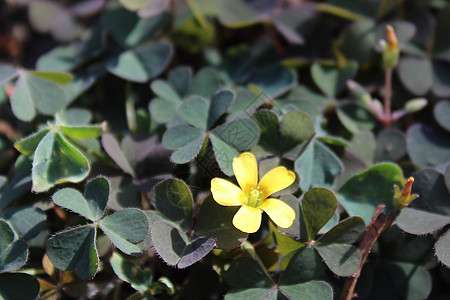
{"x":387,"y":98}
{"x":378,"y":224}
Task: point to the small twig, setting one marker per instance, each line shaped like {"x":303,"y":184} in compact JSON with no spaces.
{"x":378,"y":224}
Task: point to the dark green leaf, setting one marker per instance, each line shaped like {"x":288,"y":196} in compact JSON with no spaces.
{"x":363,"y":192}
{"x":214,"y":221}
{"x":416,"y":221}
{"x":332,"y":80}
{"x":343,"y":260}
{"x":318,"y":166}
{"x":391,"y":145}
{"x":142,"y":63}
{"x":318,"y":206}
{"x":347,"y":231}
{"x":14,"y":256}
{"x":443,"y":249}
{"x":75,"y":249}
{"x":175,"y":248}
{"x":305,"y":265}
{"x":126,"y":228}
{"x":308,"y":290}
{"x":428,"y":146}
{"x":173,"y":199}
{"x":296,"y":127}
{"x":441,"y":112}
{"x":18,"y":286}
{"x":245,"y":272}
{"x":29,"y":144}
{"x":205,"y":83}
{"x":417,"y":83}
{"x":112,"y":147}
{"x":27,"y":221}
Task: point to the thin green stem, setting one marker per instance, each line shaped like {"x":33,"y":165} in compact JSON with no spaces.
{"x":387,"y":98}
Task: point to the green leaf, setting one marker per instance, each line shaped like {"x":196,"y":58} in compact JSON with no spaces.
{"x":441,"y":47}
{"x":245,"y":272}
{"x":73,"y":117}
{"x":331,"y":80}
{"x":364,"y":191}
{"x":348,"y":231}
{"x":296,"y":127}
{"x":391,"y":145}
{"x":214,"y":221}
{"x":274,"y":80}
{"x":18,"y":286}
{"x":131,"y":30}
{"x":151,"y":8}
{"x":318,"y":166}
{"x":82,"y":132}
{"x":180,"y":79}
{"x":441,"y":81}
{"x":231,"y":138}
{"x":416,"y":221}
{"x":360,"y":33}
{"x":305,"y":265}
{"x":112,"y":147}
{"x":29,"y":144}
{"x":92,"y":205}
{"x":75,"y":249}
{"x":128,"y":271}
{"x":175,"y":247}
{"x":7,"y":235}
{"x":416,"y":82}
{"x":27,"y":221}
{"x":173,"y":199}
{"x":285,"y":244}
{"x":194,"y":110}
{"x":219,"y":104}
{"x":235,"y":13}
{"x":55,"y":77}
{"x":126,"y":228}
{"x":441,"y":110}
{"x":165,"y":91}
{"x":270,"y":130}
{"x":343,"y":260}
{"x":256,"y":293}
{"x":7,"y":72}
{"x":430,"y":186}
{"x":56,"y":160}
{"x":318,"y":207}
{"x":162,"y":111}
{"x":363,"y":147}
{"x":32,"y":93}
{"x":186,"y":140}
{"x":356,"y":117}
{"x":308,"y":290}
{"x":394,"y":280}
{"x":443,"y":249}
{"x":14,"y":256}
{"x":428,"y":146}
{"x":205,"y":83}
{"x":142,"y":63}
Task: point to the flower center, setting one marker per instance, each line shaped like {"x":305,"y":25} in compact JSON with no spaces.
{"x":254,"y":197}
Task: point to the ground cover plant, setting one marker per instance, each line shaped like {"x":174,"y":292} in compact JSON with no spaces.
{"x":226,"y":149}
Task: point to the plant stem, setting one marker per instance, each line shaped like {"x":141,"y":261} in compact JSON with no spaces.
{"x":378,"y":224}
{"x":387,"y":98}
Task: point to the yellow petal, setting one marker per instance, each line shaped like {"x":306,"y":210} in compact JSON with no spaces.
{"x":245,"y":169}
{"x":281,"y":214}
{"x":275,"y":180}
{"x":226,"y":193}
{"x":247,"y":219}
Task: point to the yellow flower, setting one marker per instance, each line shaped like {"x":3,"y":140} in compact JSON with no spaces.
{"x":253,"y":196}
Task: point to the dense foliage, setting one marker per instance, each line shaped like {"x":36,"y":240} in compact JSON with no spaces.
{"x":200,"y":149}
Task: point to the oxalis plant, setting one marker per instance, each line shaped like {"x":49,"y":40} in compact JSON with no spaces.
{"x":224,"y":149}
